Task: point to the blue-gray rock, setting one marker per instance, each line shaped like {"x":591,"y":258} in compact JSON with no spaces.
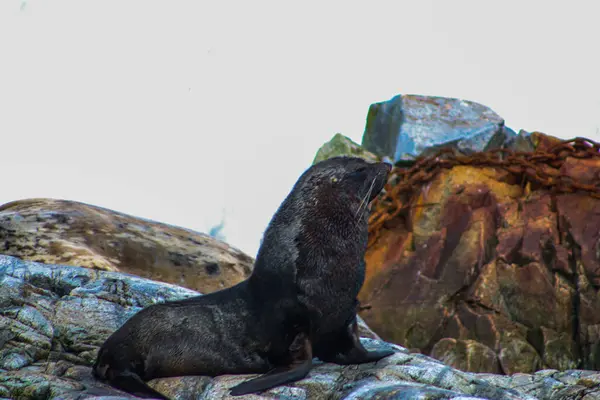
{"x":408,"y":126}
{"x":53,"y":318}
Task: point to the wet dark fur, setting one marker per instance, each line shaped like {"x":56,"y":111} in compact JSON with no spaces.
{"x":299,"y":303}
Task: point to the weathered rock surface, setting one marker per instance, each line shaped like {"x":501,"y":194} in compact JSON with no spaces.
{"x":407,"y":126}
{"x":72,"y":233}
{"x":489,"y":275}
{"x":53,"y":319}
{"x":341,"y":145}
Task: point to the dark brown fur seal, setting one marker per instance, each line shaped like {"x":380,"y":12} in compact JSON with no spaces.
{"x":299,"y":303}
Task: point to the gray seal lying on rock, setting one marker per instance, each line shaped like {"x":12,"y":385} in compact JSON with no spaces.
{"x":299,"y":303}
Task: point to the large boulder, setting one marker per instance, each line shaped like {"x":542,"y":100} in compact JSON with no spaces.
{"x":408,"y":126}
{"x":72,"y":233}
{"x":490,"y":270}
{"x":53,"y":318}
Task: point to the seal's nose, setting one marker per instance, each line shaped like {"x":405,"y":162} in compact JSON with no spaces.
{"x":388,"y":162}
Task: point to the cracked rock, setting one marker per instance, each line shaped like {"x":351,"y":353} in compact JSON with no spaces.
{"x":490,"y":275}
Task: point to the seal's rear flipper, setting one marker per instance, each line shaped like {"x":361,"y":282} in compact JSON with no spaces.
{"x":275,"y":377}
{"x":301,"y":351}
{"x":133,"y":384}
{"x":355,"y":356}
{"x":355,"y":353}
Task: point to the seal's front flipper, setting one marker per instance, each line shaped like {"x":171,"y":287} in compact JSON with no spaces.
{"x":355,"y":356}
{"x":301,"y":351}
{"x":356,"y":352}
{"x":132,"y":383}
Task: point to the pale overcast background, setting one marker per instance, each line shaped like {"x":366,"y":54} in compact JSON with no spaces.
{"x":188,"y":111}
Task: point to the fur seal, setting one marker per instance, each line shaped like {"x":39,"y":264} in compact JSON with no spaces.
{"x":299,"y":302}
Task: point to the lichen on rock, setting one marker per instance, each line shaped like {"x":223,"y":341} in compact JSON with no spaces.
{"x":477,"y":259}
{"x":53,"y":319}
{"x":341,"y":145}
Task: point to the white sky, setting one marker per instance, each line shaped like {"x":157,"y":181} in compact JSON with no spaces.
{"x":180,"y":111}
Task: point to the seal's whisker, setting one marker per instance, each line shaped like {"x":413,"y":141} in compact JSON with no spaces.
{"x":363,"y":202}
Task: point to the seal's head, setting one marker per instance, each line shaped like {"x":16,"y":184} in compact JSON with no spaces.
{"x":344,"y":181}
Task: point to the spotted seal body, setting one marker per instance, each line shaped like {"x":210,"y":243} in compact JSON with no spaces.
{"x":299,"y":303}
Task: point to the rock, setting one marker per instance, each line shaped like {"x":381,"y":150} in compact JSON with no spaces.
{"x":489,"y":275}
{"x":341,"y":145}
{"x":462,"y":353}
{"x":72,"y":233}
{"x":408,"y":126}
{"x":53,"y":319}
{"x":520,"y":142}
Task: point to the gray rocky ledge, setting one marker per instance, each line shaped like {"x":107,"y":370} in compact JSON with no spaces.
{"x":53,"y":318}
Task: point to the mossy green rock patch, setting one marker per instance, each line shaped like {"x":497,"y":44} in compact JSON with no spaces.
{"x":341,"y":145}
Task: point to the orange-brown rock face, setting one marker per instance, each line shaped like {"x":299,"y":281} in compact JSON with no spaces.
{"x":490,"y":276}
{"x":72,"y":233}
